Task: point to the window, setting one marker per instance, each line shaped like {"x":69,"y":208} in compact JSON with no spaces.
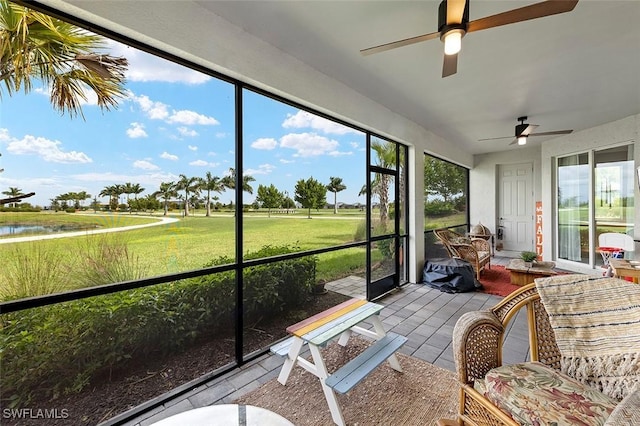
{"x":595,"y":194}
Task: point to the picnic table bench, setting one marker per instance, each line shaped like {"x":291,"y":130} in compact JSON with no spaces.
{"x":341,"y":320}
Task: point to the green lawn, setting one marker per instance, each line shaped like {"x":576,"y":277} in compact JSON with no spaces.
{"x":187,"y":244}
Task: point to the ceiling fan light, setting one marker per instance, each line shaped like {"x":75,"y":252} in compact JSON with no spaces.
{"x":452,"y":42}
{"x":522,"y":140}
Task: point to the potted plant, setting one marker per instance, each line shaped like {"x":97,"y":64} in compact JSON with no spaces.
{"x":528,"y":257}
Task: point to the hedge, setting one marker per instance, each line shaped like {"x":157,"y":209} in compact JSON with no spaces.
{"x":59,"y":349}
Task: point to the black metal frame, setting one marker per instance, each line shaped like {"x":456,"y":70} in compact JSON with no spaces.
{"x":240,"y":264}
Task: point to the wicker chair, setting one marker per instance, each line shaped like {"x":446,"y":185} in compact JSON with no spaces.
{"x":477,"y":346}
{"x":476,"y":251}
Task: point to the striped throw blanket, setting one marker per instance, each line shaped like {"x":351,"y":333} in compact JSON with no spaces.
{"x":596,"y":322}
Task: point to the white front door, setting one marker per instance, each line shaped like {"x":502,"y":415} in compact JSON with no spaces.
{"x":515,"y":206}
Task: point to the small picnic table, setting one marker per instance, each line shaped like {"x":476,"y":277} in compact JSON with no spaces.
{"x":341,"y":320}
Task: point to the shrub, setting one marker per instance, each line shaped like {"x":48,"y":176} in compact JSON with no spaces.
{"x":31,"y":269}
{"x":438,"y":208}
{"x":60,"y":348}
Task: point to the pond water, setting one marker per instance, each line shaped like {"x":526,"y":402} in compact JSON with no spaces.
{"x":19,"y":230}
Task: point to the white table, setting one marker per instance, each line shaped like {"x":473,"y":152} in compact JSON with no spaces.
{"x":226,"y":415}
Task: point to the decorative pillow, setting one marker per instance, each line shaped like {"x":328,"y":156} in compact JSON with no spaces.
{"x":460,"y":240}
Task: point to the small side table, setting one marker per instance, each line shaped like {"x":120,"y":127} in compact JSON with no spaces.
{"x":623,"y":268}
{"x":521,"y":274}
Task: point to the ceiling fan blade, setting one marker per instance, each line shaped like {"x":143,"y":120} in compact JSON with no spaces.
{"x":495,"y":139}
{"x":450,"y":65}
{"x":556,"y":132}
{"x":530,"y":128}
{"x":399,"y":43}
{"x":534,"y":11}
{"x":455,"y":10}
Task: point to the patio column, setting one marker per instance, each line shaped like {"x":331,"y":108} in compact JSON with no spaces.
{"x":416,"y":213}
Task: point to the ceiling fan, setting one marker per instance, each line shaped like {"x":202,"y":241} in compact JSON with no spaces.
{"x":524,"y":131}
{"x":453,"y":24}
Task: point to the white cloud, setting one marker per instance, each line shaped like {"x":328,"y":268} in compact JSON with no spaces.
{"x":155,"y":110}
{"x":354,"y":144}
{"x":136,"y":131}
{"x":308,"y":144}
{"x":192,"y":147}
{"x":145,"y":165}
{"x":168,"y":156}
{"x":185,"y":131}
{"x":263,"y":169}
{"x":221,"y":135}
{"x":264,"y":143}
{"x":339,"y":153}
{"x":285,"y":161}
{"x":303,"y":119}
{"x":48,"y":150}
{"x":111,"y":178}
{"x":202,"y":163}
{"x":146,"y":67}
{"x":190,"y":118}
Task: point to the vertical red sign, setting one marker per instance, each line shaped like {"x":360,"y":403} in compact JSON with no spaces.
{"x":539,"y":229}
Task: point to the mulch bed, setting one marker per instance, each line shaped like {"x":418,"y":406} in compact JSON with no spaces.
{"x":148,"y":378}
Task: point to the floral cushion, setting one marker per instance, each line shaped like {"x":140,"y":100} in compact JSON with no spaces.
{"x":534,"y":394}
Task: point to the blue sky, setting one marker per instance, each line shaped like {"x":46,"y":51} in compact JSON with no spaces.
{"x":174,"y":120}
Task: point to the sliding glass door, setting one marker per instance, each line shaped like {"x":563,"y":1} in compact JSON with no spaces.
{"x":595,"y":194}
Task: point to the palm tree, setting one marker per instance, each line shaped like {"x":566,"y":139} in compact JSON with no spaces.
{"x":136,"y":190}
{"x":211,"y":183}
{"x":166,"y":192}
{"x":385,"y":158}
{"x":190,"y":185}
{"x":113,"y":192}
{"x":230,"y":181}
{"x":335,"y":185}
{"x":127,"y":188}
{"x":13,"y":192}
{"x":61,"y":56}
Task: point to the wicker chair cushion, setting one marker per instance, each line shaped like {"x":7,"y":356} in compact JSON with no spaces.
{"x":534,"y":394}
{"x":460,"y":240}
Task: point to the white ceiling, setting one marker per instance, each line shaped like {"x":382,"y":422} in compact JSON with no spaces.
{"x":571,"y":71}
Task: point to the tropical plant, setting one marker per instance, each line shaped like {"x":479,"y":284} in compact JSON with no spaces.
{"x":190,"y":185}
{"x":335,"y":185}
{"x":13,"y":192}
{"x":311,"y":194}
{"x":229,"y":181}
{"x":113,"y":192}
{"x":385,"y":158}
{"x":62,"y":56}
{"x":528,"y":256}
{"x":166,"y":192}
{"x":211,"y":183}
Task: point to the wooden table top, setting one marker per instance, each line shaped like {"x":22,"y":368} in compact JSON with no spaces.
{"x":328,"y":324}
